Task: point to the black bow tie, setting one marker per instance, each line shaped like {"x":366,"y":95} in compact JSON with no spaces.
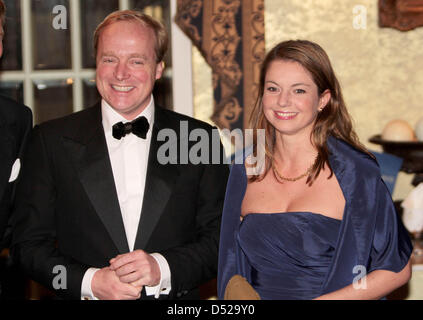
{"x":139,"y":127}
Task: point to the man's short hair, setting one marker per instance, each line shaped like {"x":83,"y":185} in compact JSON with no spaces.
{"x":139,"y":17}
{"x":2,"y":12}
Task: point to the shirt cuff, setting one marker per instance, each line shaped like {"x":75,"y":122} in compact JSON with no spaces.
{"x":164,"y":285}
{"x":86,"y":292}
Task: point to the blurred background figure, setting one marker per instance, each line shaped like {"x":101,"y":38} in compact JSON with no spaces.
{"x":15,"y":124}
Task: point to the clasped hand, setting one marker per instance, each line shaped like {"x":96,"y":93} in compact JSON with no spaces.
{"x":126,"y":276}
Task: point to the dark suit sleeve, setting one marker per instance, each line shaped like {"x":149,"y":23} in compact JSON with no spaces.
{"x":196,"y":262}
{"x":21,"y":124}
{"x":34,"y":238}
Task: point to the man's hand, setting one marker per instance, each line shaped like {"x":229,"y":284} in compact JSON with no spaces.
{"x":106,"y":285}
{"x":137,"y":268}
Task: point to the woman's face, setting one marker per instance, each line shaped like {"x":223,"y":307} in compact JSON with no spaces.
{"x":290,"y":98}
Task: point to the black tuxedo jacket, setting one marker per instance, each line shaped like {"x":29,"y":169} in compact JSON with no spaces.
{"x":68,"y":213}
{"x":15,"y":125}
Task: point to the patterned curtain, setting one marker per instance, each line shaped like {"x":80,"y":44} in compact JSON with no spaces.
{"x":230,"y":36}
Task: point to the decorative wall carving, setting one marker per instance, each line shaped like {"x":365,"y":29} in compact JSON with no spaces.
{"x":403,"y":15}
{"x":230,"y":36}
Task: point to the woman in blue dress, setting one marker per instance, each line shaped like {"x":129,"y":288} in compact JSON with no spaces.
{"x":317,"y":222}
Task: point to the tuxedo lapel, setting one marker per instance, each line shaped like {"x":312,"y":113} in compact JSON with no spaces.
{"x":88,"y":150}
{"x":160,"y":181}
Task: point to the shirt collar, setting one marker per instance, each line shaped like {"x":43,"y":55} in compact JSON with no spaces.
{"x":110,"y":116}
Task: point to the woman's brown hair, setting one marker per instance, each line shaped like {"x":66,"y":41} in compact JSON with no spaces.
{"x":334,"y":120}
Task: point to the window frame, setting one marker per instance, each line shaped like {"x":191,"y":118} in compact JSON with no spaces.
{"x":181,"y":71}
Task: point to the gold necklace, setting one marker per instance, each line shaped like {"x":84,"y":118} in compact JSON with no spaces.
{"x":280,"y":177}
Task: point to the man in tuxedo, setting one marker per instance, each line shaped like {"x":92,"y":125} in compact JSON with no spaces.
{"x":15,"y":124}
{"x":99,"y":214}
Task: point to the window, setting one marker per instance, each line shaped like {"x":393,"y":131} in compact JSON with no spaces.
{"x":52,"y":70}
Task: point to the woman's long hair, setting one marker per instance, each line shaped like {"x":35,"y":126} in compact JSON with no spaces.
{"x":334,"y":120}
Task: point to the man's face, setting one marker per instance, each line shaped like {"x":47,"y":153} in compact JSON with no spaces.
{"x":127,"y":67}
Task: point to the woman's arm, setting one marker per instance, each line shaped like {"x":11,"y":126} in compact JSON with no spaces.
{"x":376,"y":285}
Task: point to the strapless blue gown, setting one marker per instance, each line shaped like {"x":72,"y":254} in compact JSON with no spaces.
{"x":289,"y":253}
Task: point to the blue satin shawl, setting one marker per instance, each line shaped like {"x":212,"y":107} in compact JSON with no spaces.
{"x":371,"y":234}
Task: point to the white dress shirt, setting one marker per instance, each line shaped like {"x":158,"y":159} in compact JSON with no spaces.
{"x":129,"y":159}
